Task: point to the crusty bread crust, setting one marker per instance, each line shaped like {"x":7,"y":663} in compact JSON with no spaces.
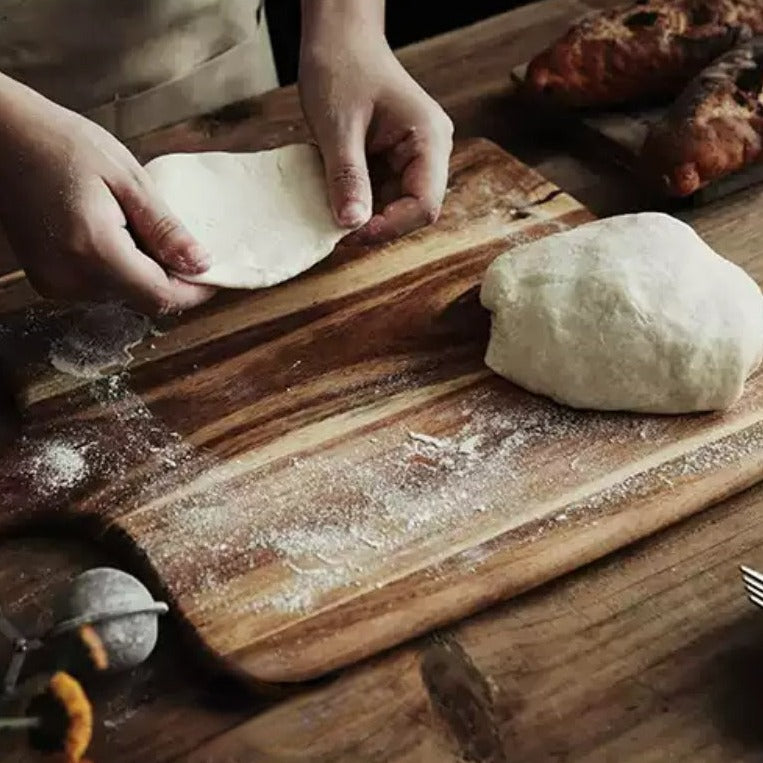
{"x":714,"y":128}
{"x":640,"y":52}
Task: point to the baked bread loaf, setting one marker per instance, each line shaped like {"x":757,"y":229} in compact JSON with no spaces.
{"x":714,"y":127}
{"x":641,"y":51}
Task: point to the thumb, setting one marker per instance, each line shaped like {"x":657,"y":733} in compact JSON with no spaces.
{"x":160,"y":233}
{"x":344,"y":159}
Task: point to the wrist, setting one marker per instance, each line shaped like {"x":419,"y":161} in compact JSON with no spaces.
{"x":17,"y":113}
{"x":325,"y":23}
{"x":21,"y":106}
{"x":14,"y":97}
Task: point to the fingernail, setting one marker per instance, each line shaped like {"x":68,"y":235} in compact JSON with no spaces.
{"x":197,"y":260}
{"x":371,"y":233}
{"x":353,"y":214}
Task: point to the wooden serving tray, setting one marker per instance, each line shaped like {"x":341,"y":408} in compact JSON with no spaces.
{"x":620,"y":134}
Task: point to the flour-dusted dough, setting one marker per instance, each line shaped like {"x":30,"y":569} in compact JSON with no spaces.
{"x":633,"y":312}
{"x":264,"y":217}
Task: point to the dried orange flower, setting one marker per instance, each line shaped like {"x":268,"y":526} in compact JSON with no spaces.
{"x":96,"y":651}
{"x":66,"y":718}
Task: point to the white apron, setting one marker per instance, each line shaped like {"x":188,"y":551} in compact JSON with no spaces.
{"x":137,"y":65}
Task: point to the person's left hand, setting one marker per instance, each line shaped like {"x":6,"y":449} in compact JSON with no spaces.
{"x":365,"y":110}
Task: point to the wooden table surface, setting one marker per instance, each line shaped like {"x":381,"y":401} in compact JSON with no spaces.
{"x":652,"y":654}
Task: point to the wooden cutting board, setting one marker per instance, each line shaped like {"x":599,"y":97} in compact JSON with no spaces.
{"x":318,"y":471}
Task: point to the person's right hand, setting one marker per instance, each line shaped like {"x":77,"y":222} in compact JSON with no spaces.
{"x":82,"y":215}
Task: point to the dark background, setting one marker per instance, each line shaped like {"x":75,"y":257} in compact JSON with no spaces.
{"x":407,"y":21}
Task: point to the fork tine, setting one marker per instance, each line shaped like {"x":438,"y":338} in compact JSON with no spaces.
{"x":752,"y":577}
{"x":749,"y":572}
{"x":753,"y":583}
{"x":754,"y":591}
{"x":753,"y":586}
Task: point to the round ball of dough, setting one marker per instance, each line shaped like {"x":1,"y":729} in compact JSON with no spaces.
{"x":633,"y":312}
{"x":128,"y":639}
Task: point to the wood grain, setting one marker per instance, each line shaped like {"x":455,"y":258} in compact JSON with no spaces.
{"x":652,"y":651}
{"x":652,"y":654}
{"x":350,"y":475}
{"x":683,"y":683}
{"x":308,"y":372}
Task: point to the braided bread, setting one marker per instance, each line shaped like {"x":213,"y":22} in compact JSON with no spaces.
{"x":715,"y":126}
{"x":640,"y":52}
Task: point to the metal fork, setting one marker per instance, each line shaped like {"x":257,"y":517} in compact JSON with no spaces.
{"x":753,"y":583}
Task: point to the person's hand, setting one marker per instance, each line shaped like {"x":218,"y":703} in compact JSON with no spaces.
{"x":365,"y":110}
{"x":82,"y":215}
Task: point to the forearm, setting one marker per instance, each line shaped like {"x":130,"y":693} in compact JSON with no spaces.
{"x":327,"y":20}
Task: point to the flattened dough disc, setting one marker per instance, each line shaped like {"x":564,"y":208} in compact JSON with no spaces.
{"x":264,"y":217}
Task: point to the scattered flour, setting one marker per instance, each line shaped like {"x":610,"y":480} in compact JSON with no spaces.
{"x":429,"y":440}
{"x":361,"y":511}
{"x":56,"y":464}
{"x":49,"y":469}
